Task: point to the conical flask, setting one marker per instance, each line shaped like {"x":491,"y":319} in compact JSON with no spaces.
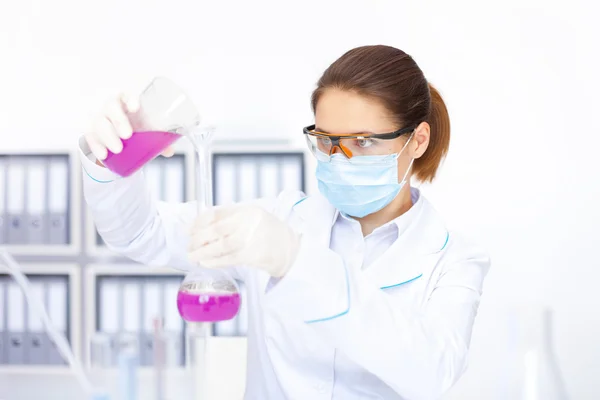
{"x":206,"y":295}
{"x":536,"y":374}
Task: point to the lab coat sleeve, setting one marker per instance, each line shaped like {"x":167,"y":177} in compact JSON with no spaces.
{"x":130,"y":221}
{"x":134,"y":224}
{"x":420,"y":354}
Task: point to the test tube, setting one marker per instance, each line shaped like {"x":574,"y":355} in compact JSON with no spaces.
{"x":128,"y":363}
{"x":101,"y":360}
{"x":173,"y":348}
{"x":167,"y":353}
{"x":101,"y":350}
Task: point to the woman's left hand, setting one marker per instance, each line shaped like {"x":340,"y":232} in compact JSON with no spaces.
{"x":243,"y":235}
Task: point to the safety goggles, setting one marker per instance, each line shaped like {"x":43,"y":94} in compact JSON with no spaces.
{"x":323,"y":145}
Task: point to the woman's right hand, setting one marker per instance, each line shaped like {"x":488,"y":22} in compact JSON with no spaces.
{"x":112,"y":126}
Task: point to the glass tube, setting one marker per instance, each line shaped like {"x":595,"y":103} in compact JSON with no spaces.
{"x":201,"y":141}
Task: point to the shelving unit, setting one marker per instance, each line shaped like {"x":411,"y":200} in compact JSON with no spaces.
{"x":40,"y":206}
{"x":126,"y":299}
{"x":83,"y":263}
{"x":24,"y":344}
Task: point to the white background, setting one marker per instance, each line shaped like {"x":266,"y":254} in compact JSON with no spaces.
{"x":521,"y":79}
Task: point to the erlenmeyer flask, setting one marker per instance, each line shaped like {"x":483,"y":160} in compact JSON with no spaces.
{"x":206,"y":295}
{"x":166,"y":113}
{"x":535,"y":373}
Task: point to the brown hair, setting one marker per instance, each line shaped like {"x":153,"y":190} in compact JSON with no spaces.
{"x":392,"y":77}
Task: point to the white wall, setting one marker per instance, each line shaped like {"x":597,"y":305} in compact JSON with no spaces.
{"x":520,"y":78}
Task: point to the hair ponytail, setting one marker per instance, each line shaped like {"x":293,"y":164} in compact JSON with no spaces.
{"x":426,"y":166}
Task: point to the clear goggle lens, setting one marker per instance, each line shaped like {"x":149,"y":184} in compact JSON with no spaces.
{"x":324,"y":147}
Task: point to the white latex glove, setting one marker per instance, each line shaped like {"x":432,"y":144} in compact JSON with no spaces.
{"x":113,"y":125}
{"x":243,"y":235}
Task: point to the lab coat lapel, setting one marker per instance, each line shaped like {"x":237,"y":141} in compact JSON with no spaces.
{"x":316,"y":217}
{"x":418,"y":247}
{"x":416,"y":250}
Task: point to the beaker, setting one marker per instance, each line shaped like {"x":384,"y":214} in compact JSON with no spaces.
{"x":206,"y":295}
{"x":166,"y":113}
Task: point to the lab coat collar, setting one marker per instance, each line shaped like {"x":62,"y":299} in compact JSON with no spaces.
{"x":417,"y":248}
{"x":401,"y":223}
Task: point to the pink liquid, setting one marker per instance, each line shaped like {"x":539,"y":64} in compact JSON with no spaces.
{"x":212,"y":307}
{"x":140,"y":148}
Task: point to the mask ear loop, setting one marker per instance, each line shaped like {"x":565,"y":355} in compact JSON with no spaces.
{"x":412,"y":160}
{"x":403,"y":182}
{"x":407,"y":142}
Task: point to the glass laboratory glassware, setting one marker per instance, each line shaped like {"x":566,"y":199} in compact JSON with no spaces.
{"x":101,"y":350}
{"x":206,"y":295}
{"x":197,"y":346}
{"x":102,"y":358}
{"x":166,"y":113}
{"x":535,"y":373}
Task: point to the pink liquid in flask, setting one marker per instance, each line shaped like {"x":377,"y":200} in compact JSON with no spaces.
{"x":208,"y":307}
{"x":140,"y":148}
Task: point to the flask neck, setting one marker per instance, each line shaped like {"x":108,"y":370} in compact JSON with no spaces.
{"x":539,"y":376}
{"x":201,"y":142}
{"x":537,"y":333}
{"x":532,"y":336}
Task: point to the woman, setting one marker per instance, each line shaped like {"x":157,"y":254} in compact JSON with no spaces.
{"x":358,"y":292}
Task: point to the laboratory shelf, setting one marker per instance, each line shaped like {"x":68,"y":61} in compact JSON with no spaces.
{"x":24,"y":343}
{"x":123,"y":301}
{"x":40,"y":205}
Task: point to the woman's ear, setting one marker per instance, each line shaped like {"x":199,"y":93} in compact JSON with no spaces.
{"x":420,"y":140}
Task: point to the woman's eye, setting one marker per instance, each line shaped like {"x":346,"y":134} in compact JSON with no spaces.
{"x":364,"y":142}
{"x":325,"y":141}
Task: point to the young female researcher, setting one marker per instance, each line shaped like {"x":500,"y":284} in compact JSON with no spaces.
{"x":358,"y":292}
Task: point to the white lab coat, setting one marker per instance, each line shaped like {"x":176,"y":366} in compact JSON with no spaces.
{"x":399,"y":329}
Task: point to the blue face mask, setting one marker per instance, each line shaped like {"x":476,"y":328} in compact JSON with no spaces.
{"x":363,"y":186}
